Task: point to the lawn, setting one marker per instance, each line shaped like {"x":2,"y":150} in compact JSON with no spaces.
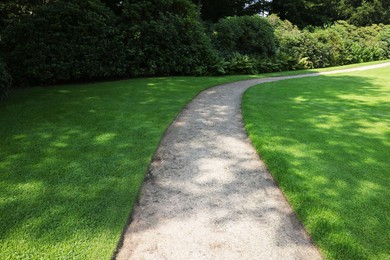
{"x":72,"y":159}
{"x":326,"y":140}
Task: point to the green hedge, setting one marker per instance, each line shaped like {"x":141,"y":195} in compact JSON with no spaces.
{"x":5,"y":81}
{"x":65,"y":41}
{"x":166,"y":38}
{"x":247,"y":35}
{"x":339,"y":44}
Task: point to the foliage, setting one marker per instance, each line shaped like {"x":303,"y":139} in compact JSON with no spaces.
{"x":166,"y":38}
{"x":48,"y":42}
{"x":247,"y":64}
{"x":213,"y":10}
{"x":65,"y":41}
{"x":245,"y":44}
{"x":384,"y":38}
{"x":325,"y":140}
{"x":11,"y":10}
{"x":338,"y":44}
{"x":366,"y":12}
{"x":323,"y":12}
{"x":248,"y":35}
{"x":240,"y":64}
{"x":5,"y":81}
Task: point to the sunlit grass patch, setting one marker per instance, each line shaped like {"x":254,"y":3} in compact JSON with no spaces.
{"x":327,"y":142}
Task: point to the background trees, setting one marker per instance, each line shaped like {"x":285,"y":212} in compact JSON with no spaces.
{"x":301,"y":12}
{"x":213,"y":10}
{"x":52,"y":41}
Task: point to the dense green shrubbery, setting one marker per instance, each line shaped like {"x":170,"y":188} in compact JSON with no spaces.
{"x":338,"y":44}
{"x":75,"y":40}
{"x":65,"y":41}
{"x":78,"y":40}
{"x":5,"y":81}
{"x":166,"y":38}
{"x":246,"y":44}
{"x":247,"y":35}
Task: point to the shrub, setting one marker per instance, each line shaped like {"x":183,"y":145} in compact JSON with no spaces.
{"x":338,"y":44}
{"x":65,"y":41}
{"x":289,"y":42}
{"x":384,"y":38}
{"x":5,"y":81}
{"x":240,"y":64}
{"x":166,"y":38}
{"x":247,"y":35}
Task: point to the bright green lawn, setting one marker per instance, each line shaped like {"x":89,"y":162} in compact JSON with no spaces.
{"x":72,"y":159}
{"x":327,"y":142}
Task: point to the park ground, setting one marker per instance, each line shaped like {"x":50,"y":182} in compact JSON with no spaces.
{"x":74,"y":157}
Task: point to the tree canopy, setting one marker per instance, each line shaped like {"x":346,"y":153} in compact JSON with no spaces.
{"x":301,"y":12}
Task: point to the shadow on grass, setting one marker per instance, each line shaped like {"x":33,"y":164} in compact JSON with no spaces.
{"x":72,"y":159}
{"x":206,"y":181}
{"x":326,"y":140}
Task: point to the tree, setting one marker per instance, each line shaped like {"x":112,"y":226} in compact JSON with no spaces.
{"x":11,"y":10}
{"x":305,"y":12}
{"x":213,"y":10}
{"x":364,"y":12}
{"x":321,"y":12}
{"x":115,"y":5}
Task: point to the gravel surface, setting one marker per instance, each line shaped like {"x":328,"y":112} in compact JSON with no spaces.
{"x":209,"y":195}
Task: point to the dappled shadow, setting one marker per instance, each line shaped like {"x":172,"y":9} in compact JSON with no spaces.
{"x":72,"y":159}
{"x":327,"y":142}
{"x":210,"y":195}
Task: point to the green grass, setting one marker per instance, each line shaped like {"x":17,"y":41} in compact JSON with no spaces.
{"x":72,"y":159}
{"x":296,"y":72}
{"x":326,"y":140}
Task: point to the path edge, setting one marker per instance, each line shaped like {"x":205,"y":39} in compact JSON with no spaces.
{"x":147,"y":174}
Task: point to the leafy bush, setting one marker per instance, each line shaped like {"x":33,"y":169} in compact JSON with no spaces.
{"x":289,"y":42}
{"x":240,"y":64}
{"x":5,"y":81}
{"x":384,"y":38}
{"x":65,"y":41}
{"x":338,"y":44}
{"x":247,"y":35}
{"x":166,"y":38}
{"x":246,"y":64}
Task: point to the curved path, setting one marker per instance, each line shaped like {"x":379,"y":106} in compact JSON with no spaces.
{"x":209,"y":195}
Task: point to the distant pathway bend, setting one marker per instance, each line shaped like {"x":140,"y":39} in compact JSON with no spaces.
{"x":211,"y":196}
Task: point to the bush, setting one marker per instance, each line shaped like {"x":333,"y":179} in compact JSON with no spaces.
{"x":166,"y":38}
{"x":5,"y":81}
{"x":288,"y":41}
{"x":384,"y":38}
{"x":247,"y":35}
{"x":338,"y":44}
{"x":240,"y":64}
{"x":65,"y":41}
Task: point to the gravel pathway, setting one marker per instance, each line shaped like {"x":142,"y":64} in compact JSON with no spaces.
{"x":209,"y":195}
